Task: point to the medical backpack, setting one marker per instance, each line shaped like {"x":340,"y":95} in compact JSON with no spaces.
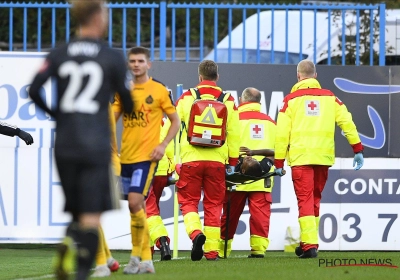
{"x":207,"y":120}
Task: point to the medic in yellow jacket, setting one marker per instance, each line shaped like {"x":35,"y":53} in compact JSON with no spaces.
{"x":306,"y":137}
{"x":231,"y":148}
{"x":307,"y":121}
{"x":257,"y":131}
{"x":203,"y":168}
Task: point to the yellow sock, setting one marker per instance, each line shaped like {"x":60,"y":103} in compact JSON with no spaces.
{"x":146,"y":251}
{"x":138,"y":221}
{"x":106,"y":249}
{"x":101,"y":257}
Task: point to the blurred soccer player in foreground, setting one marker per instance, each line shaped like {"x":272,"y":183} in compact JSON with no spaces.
{"x":87,"y":73}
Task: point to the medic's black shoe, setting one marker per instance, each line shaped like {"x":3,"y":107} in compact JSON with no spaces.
{"x":197,"y":249}
{"x":255,"y":256}
{"x":165,"y":251}
{"x":298,"y":251}
{"x":310,"y":253}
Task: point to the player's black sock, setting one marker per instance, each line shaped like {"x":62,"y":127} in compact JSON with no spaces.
{"x":87,"y":246}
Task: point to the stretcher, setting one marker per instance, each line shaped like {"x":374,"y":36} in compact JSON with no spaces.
{"x":237,"y":179}
{"x":231,"y":182}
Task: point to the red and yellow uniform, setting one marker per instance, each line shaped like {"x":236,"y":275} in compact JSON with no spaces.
{"x":165,"y":168}
{"x":257,"y":131}
{"x":203,"y":168}
{"x":305,"y":137}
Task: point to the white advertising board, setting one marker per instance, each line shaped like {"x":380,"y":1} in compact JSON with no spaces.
{"x":359,"y":209}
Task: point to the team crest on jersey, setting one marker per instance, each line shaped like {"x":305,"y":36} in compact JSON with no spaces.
{"x":149,"y":99}
{"x":312,"y":107}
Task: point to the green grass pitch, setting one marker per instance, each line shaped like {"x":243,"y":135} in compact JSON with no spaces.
{"x":34,"y":262}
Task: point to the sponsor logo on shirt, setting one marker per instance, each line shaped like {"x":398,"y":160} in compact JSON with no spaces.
{"x":138,"y":118}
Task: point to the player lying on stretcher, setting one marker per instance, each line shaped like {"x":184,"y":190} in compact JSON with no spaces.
{"x":248,"y":165}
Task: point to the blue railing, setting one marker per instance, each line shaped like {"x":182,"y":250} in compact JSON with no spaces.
{"x":163,"y":31}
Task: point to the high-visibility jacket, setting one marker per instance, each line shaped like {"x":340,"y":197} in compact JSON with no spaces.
{"x":306,"y":126}
{"x":166,"y":164}
{"x":257,"y":131}
{"x":230,"y":149}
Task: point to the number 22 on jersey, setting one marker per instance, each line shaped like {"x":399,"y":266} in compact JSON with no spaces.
{"x":77,"y":99}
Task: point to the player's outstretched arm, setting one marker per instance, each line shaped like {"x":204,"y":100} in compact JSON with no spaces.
{"x":263,"y":152}
{"x":25,"y":136}
{"x":8,"y":129}
{"x":12,"y":130}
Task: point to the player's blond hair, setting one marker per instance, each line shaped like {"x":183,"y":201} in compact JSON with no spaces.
{"x":83,"y":10}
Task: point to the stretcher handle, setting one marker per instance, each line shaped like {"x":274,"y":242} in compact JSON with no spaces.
{"x":172,"y":181}
{"x":283,"y":172}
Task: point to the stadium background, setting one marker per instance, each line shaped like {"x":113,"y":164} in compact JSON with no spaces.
{"x":359,"y":209}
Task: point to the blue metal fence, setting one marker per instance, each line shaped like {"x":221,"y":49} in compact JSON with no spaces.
{"x":163,"y":32}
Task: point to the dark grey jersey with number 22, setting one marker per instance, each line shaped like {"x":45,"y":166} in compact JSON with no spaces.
{"x":87,"y":73}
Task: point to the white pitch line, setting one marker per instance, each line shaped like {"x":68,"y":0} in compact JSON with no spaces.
{"x":38,"y":277}
{"x":122,"y":265}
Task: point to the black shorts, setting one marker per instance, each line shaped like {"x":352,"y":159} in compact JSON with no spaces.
{"x":88,"y":187}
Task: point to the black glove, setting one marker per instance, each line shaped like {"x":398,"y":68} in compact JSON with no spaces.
{"x":26,"y":137}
